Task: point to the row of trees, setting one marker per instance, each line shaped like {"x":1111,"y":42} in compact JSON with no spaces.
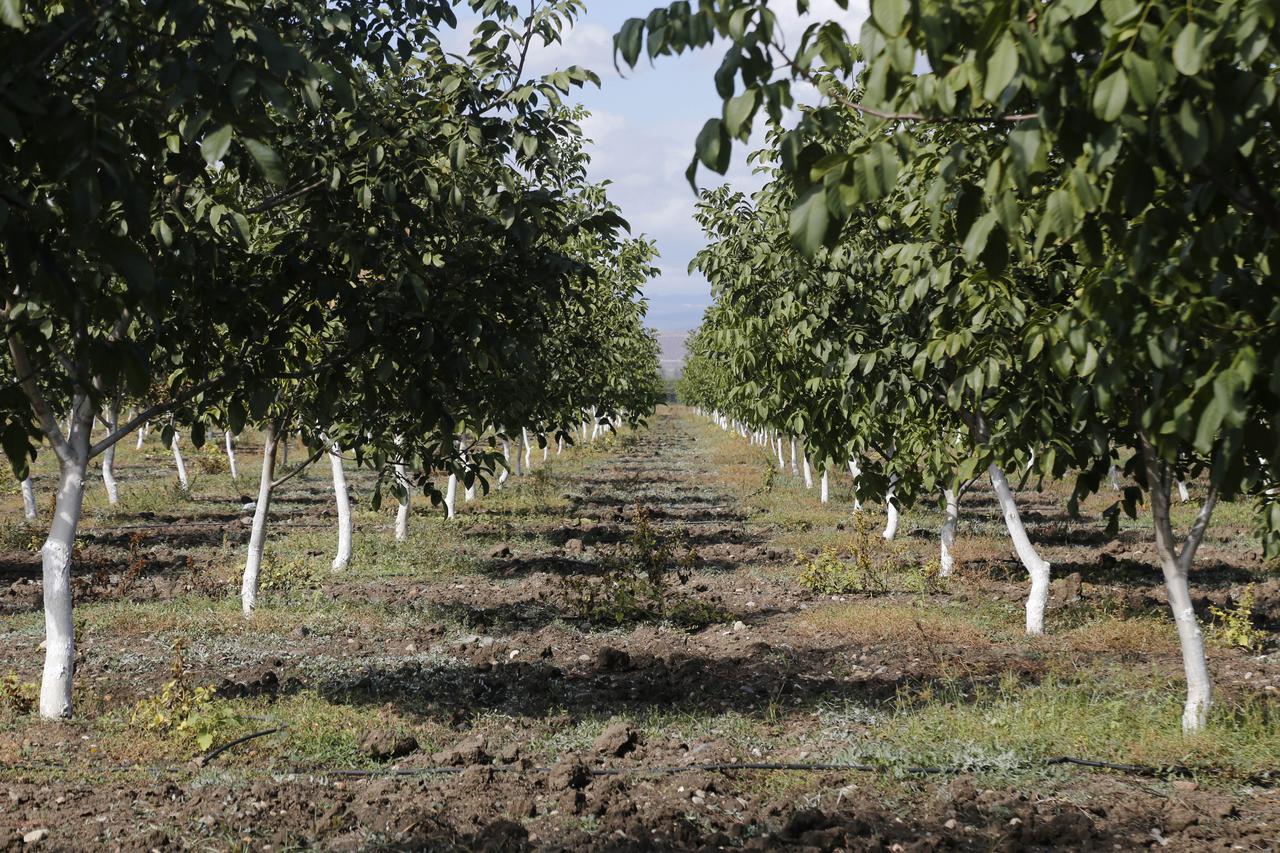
{"x":303,"y":216}
{"x":1011,"y":236}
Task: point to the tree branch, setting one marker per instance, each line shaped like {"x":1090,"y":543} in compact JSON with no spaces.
{"x":158,"y":409}
{"x":296,"y":471}
{"x":48,"y":422}
{"x":286,"y":197}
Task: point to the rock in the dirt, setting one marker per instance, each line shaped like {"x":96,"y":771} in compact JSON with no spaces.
{"x":499,"y":552}
{"x":617,"y":740}
{"x":1066,"y":590}
{"x":573,"y":547}
{"x":612,"y":660}
{"x":35,"y":836}
{"x":466,"y":753}
{"x":382,"y":745}
{"x":566,"y":775}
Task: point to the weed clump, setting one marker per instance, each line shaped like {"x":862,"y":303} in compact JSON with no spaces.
{"x":864,"y":565}
{"x":1233,"y":626}
{"x":17,"y":696}
{"x":640,"y":583}
{"x":187,"y":713}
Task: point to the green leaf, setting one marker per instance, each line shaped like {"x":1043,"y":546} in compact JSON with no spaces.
{"x":1111,"y":96}
{"x":889,"y":15}
{"x":810,"y":220}
{"x":268,"y":161}
{"x":1143,"y":81}
{"x":130,"y":262}
{"x":11,"y":13}
{"x":714,"y":146}
{"x":1188,"y":50}
{"x":1001,"y":68}
{"x":737,"y":112}
{"x":215,"y":145}
{"x":628,"y":41}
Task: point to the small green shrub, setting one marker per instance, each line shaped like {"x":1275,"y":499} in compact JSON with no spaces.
{"x":17,"y":696}
{"x":1234,"y":626}
{"x":189,"y":714}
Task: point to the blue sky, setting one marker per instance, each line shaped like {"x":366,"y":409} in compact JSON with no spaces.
{"x":643,"y":126}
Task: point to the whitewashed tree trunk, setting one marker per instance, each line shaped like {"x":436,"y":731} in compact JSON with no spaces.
{"x":528,"y":449}
{"x":506,"y":458}
{"x":1035,"y":566}
{"x":343,"y":501}
{"x":177,"y":460}
{"x":451,"y":497}
{"x":1114,"y":475}
{"x":808,"y":472}
{"x":855,"y":471}
{"x":258,"y":532}
{"x":890,"y":511}
{"x":559,"y":444}
{"x":29,"y":498}
{"x":55,"y":564}
{"x":405,"y":506}
{"x":109,"y":459}
{"x":826,"y":486}
{"x":1183,"y":494}
{"x":231,"y":455}
{"x":1176,"y":566}
{"x":142,"y":435}
{"x":795,"y":469}
{"x":284,"y":450}
{"x":950,"y":520}
{"x":546,"y":447}
{"x":782,"y":462}
{"x":469,"y":494}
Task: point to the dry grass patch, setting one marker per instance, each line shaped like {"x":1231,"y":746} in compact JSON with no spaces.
{"x":909,"y":627}
{"x":1140,"y":635}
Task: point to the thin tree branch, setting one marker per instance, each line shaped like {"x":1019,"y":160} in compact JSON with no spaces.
{"x":296,"y":471}
{"x":286,"y":197}
{"x":158,"y":409}
{"x":48,"y":421}
{"x":1196,"y":534}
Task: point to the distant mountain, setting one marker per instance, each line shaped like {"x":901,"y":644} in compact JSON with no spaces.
{"x":672,"y":343}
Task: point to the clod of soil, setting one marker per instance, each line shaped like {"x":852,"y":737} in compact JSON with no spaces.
{"x":569,"y":775}
{"x":466,"y":753}
{"x":612,"y":660}
{"x":382,"y":745}
{"x":617,"y":740}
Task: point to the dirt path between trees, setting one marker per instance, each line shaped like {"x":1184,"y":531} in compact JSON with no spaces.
{"x":509,"y":682}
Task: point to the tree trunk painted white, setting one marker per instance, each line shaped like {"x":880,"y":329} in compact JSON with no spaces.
{"x":826,"y":486}
{"x":343,"y":500}
{"x":1035,"y":566}
{"x":1114,"y":475}
{"x":231,"y":455}
{"x":451,"y":497}
{"x":258,"y":532}
{"x":890,"y":511}
{"x":469,"y":494}
{"x":1183,"y":494}
{"x":782,"y":462}
{"x":506,"y":458}
{"x":177,"y":460}
{"x":855,"y":471}
{"x":528,"y":449}
{"x":404,"y":507}
{"x":559,"y":445}
{"x":109,"y":459}
{"x":142,"y":435}
{"x":55,"y":564}
{"x":546,"y":447}
{"x":29,"y":498}
{"x":950,"y":519}
{"x":808,"y":472}
{"x":795,"y":469}
{"x":1176,"y":565}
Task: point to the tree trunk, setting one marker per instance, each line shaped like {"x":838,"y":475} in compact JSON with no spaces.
{"x":109,"y":459}
{"x":142,"y":435}
{"x":855,"y":471}
{"x":451,"y":497}
{"x":231,"y":455}
{"x":1183,"y":494}
{"x":528,"y":449}
{"x":808,"y":472}
{"x":177,"y":460}
{"x":29,"y":498}
{"x":794,"y":468}
{"x":55,"y":564}
{"x":1176,"y":566}
{"x":951,"y":519}
{"x":782,"y":462}
{"x":559,"y":445}
{"x":1114,"y":475}
{"x":890,"y":510}
{"x":258,"y":532}
{"x":405,"y":505}
{"x":343,"y":501}
{"x":506,"y":458}
{"x":1035,"y":566}
{"x":826,"y":486}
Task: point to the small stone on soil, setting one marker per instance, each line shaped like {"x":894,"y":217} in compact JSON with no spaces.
{"x":382,"y":745}
{"x":617,"y":740}
{"x":465,"y":753}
